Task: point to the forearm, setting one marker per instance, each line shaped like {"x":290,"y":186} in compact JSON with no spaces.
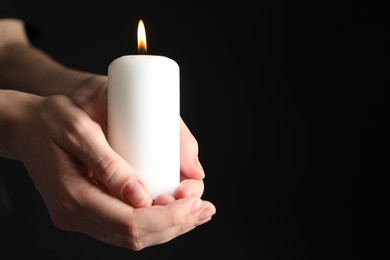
{"x":25,"y":68}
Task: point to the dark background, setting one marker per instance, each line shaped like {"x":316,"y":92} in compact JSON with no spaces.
{"x":287,"y":101}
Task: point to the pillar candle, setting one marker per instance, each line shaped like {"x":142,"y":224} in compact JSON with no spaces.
{"x":144,"y":118}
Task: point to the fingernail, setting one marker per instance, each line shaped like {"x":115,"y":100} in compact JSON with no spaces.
{"x":135,"y":193}
{"x":199,"y":165}
{"x":205,"y":215}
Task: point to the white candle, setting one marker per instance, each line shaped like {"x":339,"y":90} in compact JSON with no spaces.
{"x":144,"y":118}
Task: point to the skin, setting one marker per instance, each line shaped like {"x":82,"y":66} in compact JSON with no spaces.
{"x":57,"y":128}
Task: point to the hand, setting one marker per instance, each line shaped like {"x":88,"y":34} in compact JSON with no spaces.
{"x":191,"y":171}
{"x":92,"y":98}
{"x":89,"y":188}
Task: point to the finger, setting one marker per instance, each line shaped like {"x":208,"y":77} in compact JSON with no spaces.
{"x":163,"y":199}
{"x":92,"y":98}
{"x":163,"y":223}
{"x":110,"y":220}
{"x":189,"y":188}
{"x":190,"y":166}
{"x":81,"y":136}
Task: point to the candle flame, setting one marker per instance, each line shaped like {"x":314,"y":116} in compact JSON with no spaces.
{"x":141,"y":34}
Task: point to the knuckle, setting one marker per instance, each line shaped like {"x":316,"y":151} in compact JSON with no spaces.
{"x":134,"y":241}
{"x":108,"y":168}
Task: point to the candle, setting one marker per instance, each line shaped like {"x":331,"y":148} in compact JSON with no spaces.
{"x":144,"y":115}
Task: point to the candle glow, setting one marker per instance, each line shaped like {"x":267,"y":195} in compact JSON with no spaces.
{"x":141,"y":38}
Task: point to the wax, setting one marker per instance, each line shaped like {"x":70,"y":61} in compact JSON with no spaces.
{"x":144,"y":118}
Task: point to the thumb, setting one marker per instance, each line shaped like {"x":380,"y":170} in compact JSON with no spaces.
{"x":117,"y":176}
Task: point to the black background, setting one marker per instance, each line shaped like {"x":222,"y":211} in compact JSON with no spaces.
{"x":287,"y":100}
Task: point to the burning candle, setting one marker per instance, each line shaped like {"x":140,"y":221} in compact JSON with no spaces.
{"x":144,"y":115}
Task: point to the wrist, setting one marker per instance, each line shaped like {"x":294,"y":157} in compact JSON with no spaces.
{"x":15,"y":109}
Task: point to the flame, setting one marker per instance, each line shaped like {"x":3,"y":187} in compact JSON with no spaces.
{"x":141,"y":34}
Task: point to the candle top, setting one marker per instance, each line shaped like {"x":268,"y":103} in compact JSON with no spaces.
{"x":144,"y":60}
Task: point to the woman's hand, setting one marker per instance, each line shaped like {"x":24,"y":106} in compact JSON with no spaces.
{"x":89,"y":188}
